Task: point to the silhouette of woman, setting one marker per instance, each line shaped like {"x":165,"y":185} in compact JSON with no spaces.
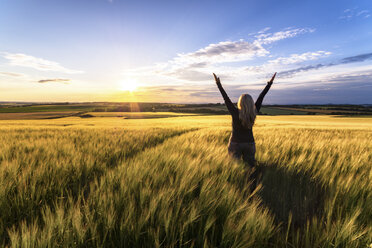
{"x":241,"y":143}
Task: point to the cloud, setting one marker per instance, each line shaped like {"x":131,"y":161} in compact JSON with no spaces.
{"x":226,"y":51}
{"x":342,"y":88}
{"x":268,"y":38}
{"x":233,"y":51}
{"x":334,"y":93}
{"x":263,"y":30}
{"x":363,"y":12}
{"x":198,"y":65}
{"x":349,"y":14}
{"x":277,"y":64}
{"x":298,"y":58}
{"x":364,"y":77}
{"x":19,"y":59}
{"x":357,"y":58}
{"x":11,"y":74}
{"x":190,"y":66}
{"x":290,"y":73}
{"x":201,"y":93}
{"x":18,"y":77}
{"x":347,"y":60}
{"x":54,"y":80}
{"x":190,"y":75}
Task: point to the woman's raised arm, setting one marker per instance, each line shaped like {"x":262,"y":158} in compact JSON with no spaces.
{"x":230,"y":106}
{"x":263,"y":93}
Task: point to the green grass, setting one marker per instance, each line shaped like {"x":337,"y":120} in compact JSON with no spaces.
{"x":114,"y":182}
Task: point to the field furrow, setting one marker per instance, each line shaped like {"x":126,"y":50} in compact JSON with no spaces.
{"x":41,"y":166}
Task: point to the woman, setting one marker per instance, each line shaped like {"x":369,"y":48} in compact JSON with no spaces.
{"x":241,"y":142}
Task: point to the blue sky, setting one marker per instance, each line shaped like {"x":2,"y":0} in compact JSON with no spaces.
{"x":165,"y":51}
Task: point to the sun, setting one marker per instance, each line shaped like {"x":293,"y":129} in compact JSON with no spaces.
{"x":129,"y":85}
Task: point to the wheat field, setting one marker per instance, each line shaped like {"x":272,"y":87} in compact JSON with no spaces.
{"x":168,"y":182}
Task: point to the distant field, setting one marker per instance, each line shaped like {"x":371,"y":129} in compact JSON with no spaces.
{"x":139,"y":115}
{"x":212,"y":109}
{"x":58,"y":115}
{"x":34,"y":115}
{"x":116,"y":180}
{"x":321,"y":110}
{"x":46,"y":108}
{"x":282,"y":111}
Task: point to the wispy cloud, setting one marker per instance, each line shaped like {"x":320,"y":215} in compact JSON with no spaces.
{"x":19,"y":77}
{"x":357,"y":58}
{"x":196,"y":66}
{"x":349,"y":14}
{"x":364,"y":77}
{"x":19,"y":59}
{"x":268,"y":38}
{"x":347,"y":60}
{"x":264,"y":30}
{"x":280,"y":63}
{"x":227,"y":51}
{"x":292,"y":72}
{"x":189,"y":74}
{"x":54,"y":80}
{"x":363,"y":13}
{"x":298,"y":58}
{"x":11,"y":74}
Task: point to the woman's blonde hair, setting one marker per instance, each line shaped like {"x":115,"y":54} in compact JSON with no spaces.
{"x":247,"y":110}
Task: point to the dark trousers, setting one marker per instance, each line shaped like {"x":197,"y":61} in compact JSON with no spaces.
{"x":247,"y":152}
{"x":243,"y":150}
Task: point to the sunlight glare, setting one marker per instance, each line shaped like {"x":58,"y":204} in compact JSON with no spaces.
{"x":129,"y":85}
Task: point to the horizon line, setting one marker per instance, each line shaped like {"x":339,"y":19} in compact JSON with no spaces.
{"x":190,"y":103}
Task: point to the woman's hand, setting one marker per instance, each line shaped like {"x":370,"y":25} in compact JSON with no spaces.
{"x":217,"y":79}
{"x":271,"y":81}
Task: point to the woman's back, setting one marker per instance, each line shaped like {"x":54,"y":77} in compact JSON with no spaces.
{"x":240,"y":133}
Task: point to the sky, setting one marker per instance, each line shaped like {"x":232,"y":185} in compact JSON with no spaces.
{"x":166,"y":51}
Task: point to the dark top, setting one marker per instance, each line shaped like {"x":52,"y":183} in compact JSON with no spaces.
{"x":240,"y":133}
